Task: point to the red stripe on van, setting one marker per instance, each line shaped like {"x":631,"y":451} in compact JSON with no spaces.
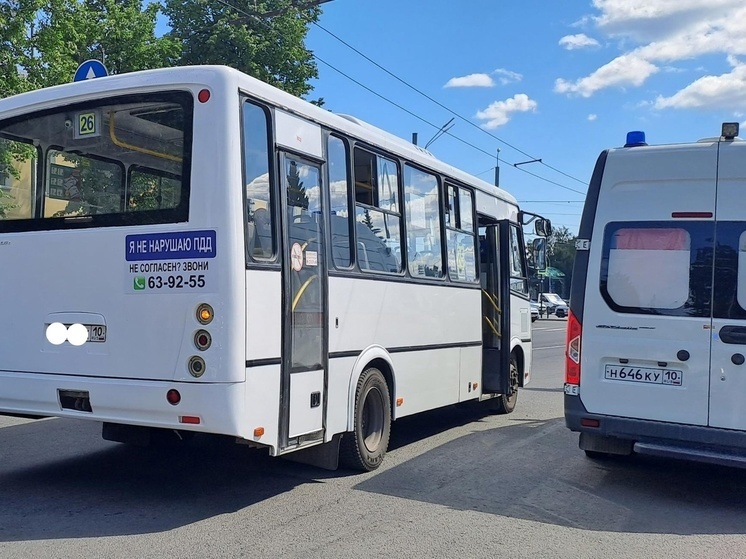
{"x":651,"y":239}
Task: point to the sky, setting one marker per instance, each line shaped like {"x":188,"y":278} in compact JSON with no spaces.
{"x":555,"y":80}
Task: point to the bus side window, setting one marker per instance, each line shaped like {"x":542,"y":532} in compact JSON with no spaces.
{"x":378,"y":229}
{"x":260,"y":229}
{"x":339,"y":200}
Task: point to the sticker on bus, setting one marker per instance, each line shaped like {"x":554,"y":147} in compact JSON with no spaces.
{"x":182,"y":245}
{"x":171,"y":262}
{"x":647,"y":375}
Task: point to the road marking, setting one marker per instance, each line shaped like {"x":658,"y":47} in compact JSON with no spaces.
{"x":548,"y":347}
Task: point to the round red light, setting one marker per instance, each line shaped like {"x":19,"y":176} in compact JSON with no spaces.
{"x":204,"y":96}
{"x":173,"y":397}
{"x":203,"y":340}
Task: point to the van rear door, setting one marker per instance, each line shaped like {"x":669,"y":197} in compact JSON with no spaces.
{"x":728,"y":372}
{"x":646,"y":319}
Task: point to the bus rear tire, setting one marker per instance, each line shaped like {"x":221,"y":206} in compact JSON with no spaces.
{"x":506,"y":403}
{"x":365,"y":446}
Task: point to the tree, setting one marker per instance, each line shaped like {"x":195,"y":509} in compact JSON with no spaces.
{"x":297,"y":196}
{"x":271,"y":49}
{"x":561,"y":251}
{"x":44,"y":41}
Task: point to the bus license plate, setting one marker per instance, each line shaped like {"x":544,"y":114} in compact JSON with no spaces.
{"x":646,"y":375}
{"x":96,"y":332}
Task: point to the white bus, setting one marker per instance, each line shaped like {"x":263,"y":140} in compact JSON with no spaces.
{"x":192,"y":250}
{"x":657,"y":327}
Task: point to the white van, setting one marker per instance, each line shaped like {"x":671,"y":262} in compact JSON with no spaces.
{"x":656,"y":340}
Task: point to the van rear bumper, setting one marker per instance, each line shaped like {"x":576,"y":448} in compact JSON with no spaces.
{"x":691,"y":442}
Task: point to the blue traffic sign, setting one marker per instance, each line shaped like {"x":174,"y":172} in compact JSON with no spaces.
{"x":90,"y":69}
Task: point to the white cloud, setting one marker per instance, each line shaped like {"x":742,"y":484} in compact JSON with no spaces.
{"x":650,"y":20}
{"x":627,"y":69}
{"x":592,"y":117}
{"x":579,"y":41}
{"x":472,"y":80}
{"x":654,"y":34}
{"x":726,"y":91}
{"x":499,"y":112}
{"x":507,"y":76}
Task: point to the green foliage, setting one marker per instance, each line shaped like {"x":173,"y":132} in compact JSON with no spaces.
{"x":43,"y":42}
{"x":297,"y":196}
{"x":271,"y":49}
{"x":562,"y":252}
{"x":12,"y":155}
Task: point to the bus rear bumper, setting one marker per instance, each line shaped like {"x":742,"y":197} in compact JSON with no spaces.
{"x":210,"y":408}
{"x":670,"y":440}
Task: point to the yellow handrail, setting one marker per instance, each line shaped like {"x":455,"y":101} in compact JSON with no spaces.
{"x":121,"y":144}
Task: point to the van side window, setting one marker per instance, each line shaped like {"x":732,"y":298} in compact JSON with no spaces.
{"x":658,"y":268}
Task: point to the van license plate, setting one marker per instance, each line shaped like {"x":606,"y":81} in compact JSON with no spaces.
{"x":647,"y":375}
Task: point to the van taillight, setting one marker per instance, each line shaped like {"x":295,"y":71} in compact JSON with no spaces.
{"x":572,"y":355}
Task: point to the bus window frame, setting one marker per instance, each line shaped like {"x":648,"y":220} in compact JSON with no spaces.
{"x":180,"y":214}
{"x":251,"y":262}
{"x":400,"y":214}
{"x":348,"y":147}
{"x":123,"y":171}
{"x":150,"y":171}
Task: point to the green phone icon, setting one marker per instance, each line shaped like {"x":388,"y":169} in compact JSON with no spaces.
{"x":139,"y":284}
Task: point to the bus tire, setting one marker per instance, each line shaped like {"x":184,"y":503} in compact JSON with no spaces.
{"x":365,"y":446}
{"x":506,"y":402}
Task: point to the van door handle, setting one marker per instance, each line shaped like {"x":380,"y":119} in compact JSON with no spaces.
{"x":733,"y":335}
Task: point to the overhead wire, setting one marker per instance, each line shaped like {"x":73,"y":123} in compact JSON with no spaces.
{"x":441,"y":105}
{"x":257,"y":18}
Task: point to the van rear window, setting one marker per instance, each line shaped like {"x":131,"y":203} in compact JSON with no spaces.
{"x":657,"y":268}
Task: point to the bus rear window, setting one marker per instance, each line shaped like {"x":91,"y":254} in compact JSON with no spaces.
{"x":114,"y":162}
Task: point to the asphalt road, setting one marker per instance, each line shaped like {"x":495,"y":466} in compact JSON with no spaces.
{"x":457,"y":483}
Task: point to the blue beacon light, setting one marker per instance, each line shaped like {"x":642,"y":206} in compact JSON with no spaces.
{"x":635,"y":138}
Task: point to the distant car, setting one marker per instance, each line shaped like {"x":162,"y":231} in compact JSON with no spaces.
{"x":534,"y":311}
{"x":554,"y":304}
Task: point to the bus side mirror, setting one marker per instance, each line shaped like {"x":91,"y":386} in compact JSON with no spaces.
{"x":539,"y":253}
{"x":543,"y":227}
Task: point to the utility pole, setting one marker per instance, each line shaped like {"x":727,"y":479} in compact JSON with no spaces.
{"x":497,"y":168}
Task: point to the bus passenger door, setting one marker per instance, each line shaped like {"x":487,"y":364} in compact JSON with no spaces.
{"x":305,"y":310}
{"x":495,"y":308}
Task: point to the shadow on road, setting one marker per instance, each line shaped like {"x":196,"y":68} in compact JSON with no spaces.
{"x":68,"y":483}
{"x":535,"y":471}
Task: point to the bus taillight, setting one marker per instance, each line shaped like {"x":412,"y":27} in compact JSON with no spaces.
{"x":572,"y":355}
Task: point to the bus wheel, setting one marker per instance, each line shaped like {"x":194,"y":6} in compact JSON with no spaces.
{"x":506,"y":403}
{"x":365,"y":446}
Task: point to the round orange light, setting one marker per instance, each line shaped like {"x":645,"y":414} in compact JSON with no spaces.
{"x":205,"y":313}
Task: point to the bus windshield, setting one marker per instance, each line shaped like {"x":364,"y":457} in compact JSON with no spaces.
{"x":111,"y":162}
